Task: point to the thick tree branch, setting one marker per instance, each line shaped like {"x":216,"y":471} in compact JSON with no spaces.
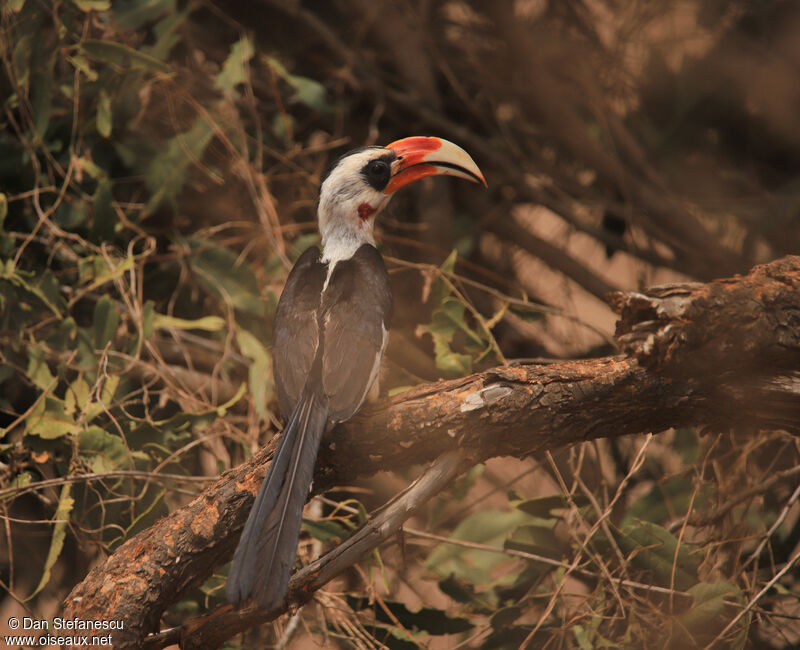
{"x":715,"y":355}
{"x":213,"y":630}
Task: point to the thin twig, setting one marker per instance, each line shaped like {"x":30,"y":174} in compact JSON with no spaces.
{"x":754,"y":600}
{"x":780,"y":519}
{"x":544,"y":560}
{"x":100,"y":476}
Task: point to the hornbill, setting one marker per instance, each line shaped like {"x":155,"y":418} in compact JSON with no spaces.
{"x":330,"y":332}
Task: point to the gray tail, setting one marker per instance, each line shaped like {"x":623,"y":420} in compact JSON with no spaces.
{"x":264,"y":558}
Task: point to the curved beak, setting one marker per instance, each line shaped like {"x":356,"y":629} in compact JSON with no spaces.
{"x":419,"y":157}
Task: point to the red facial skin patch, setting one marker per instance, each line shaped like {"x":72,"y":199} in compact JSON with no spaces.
{"x":365,"y":211}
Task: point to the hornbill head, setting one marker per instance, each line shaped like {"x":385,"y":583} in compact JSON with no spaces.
{"x":360,"y":184}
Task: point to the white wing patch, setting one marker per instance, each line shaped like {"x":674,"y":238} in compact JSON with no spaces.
{"x":376,"y":366}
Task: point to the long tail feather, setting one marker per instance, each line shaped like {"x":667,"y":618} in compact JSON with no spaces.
{"x":265,"y":555}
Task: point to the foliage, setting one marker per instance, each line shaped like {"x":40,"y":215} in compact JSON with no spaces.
{"x":147,"y":149}
{"x":118,"y":329}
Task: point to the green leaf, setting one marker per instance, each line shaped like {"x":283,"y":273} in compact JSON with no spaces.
{"x":538,"y":539}
{"x":583,"y":637}
{"x":186,"y":421}
{"x":61,"y":518}
{"x":49,"y":288}
{"x":108,"y":391}
{"x":455,"y":311}
{"x":234,"y":71}
{"x":447,"y":319}
{"x":167,"y":172}
{"x":653,"y":549}
{"x":77,"y":396}
{"x":92,"y":5}
{"x":38,"y":370}
{"x":104,"y":114}
{"x":505,"y":616}
{"x":104,"y":218}
{"x":525,"y":582}
{"x":148,"y":318}
{"x":223,"y":273}
{"x":119,"y":54}
{"x":3,"y":209}
{"x":100,"y":270}
{"x":709,"y":603}
{"x":166,"y":31}
{"x":106,"y":452}
{"x":458,"y":589}
{"x":49,"y":419}
{"x":708,"y":615}
{"x":42,"y":95}
{"x":259,"y":373}
{"x":21,"y":280}
{"x":390,"y":638}
{"x":431,"y":620}
{"x":281,"y":124}
{"x":20,"y":480}
{"x":21,"y":58}
{"x":497,"y":317}
{"x":464,"y":483}
{"x":397,"y":390}
{"x":491,"y":528}
{"x":131,"y":16}
{"x":89,"y":166}
{"x":668,"y":500}
{"x":544,"y":507}
{"x":64,"y":335}
{"x":449,"y":264}
{"x":222,"y":410}
{"x":514,"y":636}
{"x":105,"y":323}
{"x":82,"y":65}
{"x":326,"y":530}
{"x":207,"y":323}
{"x":6,"y":372}
{"x":306,"y":91}
{"x":15,"y":6}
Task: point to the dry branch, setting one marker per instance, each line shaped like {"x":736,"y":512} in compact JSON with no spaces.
{"x":718,"y":355}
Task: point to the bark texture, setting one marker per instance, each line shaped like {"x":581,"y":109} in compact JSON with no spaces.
{"x":718,"y":355}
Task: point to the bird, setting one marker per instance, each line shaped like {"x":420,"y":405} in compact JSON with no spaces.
{"x":330,"y":331}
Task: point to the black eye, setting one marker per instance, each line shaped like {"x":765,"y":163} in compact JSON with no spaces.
{"x":377,"y":173}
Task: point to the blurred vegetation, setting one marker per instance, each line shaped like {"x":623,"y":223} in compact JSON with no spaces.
{"x":159,"y":162}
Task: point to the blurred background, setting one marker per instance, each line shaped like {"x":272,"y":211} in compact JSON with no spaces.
{"x":159,"y":167}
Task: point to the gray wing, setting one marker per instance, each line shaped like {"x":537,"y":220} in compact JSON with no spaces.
{"x":356,"y":312}
{"x":296,"y":331}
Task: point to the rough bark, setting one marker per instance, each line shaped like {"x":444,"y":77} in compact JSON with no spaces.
{"x":718,"y":355}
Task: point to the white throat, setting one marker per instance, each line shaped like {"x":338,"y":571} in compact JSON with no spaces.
{"x":341,"y":238}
